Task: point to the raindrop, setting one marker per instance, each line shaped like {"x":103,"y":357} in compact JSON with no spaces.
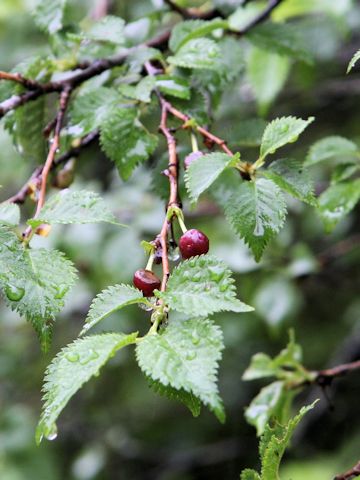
{"x":174,"y":254}
{"x":72,"y":357}
{"x":223,"y":288}
{"x":52,"y":433}
{"x":195,"y":338}
{"x":14,"y":293}
{"x":92,"y":355}
{"x":146,"y":307}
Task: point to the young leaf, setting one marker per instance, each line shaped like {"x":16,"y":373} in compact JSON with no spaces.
{"x":187,"y":398}
{"x":337,"y":201}
{"x":243,"y":15}
{"x":289,"y":175}
{"x":282,"y":39}
{"x":331,"y":147}
{"x":70,"y":369}
{"x":267,"y":73}
{"x":49,"y":15}
{"x":126,"y":141}
{"x":201,"y":286}
{"x":69,"y":206}
{"x":280,"y":132}
{"x":353,"y":61}
{"x":174,"y":86}
{"x":257,"y":212}
{"x":278,"y":439}
{"x":249,"y":474}
{"x":109,"y":301}
{"x":185,"y":31}
{"x":185,"y":355}
{"x":108,"y":29}
{"x":90,"y":109}
{"x":204,"y":171}
{"x":9,"y":214}
{"x":197,"y":53}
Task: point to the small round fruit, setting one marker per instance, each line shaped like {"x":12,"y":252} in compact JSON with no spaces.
{"x":146,"y":281}
{"x":193,"y":242}
{"x":188,"y":160}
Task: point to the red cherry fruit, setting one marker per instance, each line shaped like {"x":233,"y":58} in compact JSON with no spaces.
{"x":146,"y":281}
{"x":191,"y":157}
{"x":193,"y":242}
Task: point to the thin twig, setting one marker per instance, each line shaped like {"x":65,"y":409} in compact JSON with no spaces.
{"x":325,"y":377}
{"x":18,"y":78}
{"x":34,"y":180}
{"x":261,"y":17}
{"x":193,"y":13}
{"x":352,"y":473}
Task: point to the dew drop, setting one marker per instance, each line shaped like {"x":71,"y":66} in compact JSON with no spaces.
{"x":190,"y":356}
{"x":61,"y":291}
{"x":146,"y":307}
{"x":14,"y":293}
{"x":72,"y":357}
{"x":91,"y":355}
{"x":174,"y":254}
{"x":284,"y":128}
{"x":195,"y":338}
{"x":223,"y":288}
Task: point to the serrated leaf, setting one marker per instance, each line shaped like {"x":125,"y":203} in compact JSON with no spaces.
{"x":256,"y":211}
{"x":202,"y":172}
{"x":281,"y":131}
{"x":183,"y":32}
{"x":185,"y":355}
{"x":49,"y":15}
{"x":331,"y":147}
{"x":9,"y":214}
{"x":126,"y":141}
{"x":195,"y":107}
{"x":187,"y":398}
{"x":175,"y":86}
{"x":201,"y":286}
{"x":197,"y":53}
{"x":108,"y":29}
{"x":278,"y":439}
{"x":249,"y":132}
{"x":264,"y":405}
{"x":249,"y":474}
{"x":73,"y":366}
{"x":344,"y":171}
{"x":337,"y":201}
{"x":69,"y":206}
{"x":35,"y":283}
{"x":267,"y":73}
{"x":290,"y":176}
{"x":28,"y":136}
{"x":282,"y":39}
{"x":353,"y":61}
{"x":109,"y":301}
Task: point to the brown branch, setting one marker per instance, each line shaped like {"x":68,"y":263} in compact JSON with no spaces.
{"x":349,"y":474}
{"x":34,"y":180}
{"x":325,"y":377}
{"x":18,"y":78}
{"x":193,"y":13}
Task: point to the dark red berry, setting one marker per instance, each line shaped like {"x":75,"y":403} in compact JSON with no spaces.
{"x":146,"y":281}
{"x":192,"y":243}
{"x":191,"y":157}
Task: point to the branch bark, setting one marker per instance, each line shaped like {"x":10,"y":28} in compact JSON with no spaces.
{"x":349,"y":474}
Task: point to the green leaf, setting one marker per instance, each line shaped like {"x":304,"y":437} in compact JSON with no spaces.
{"x":331,"y":147}
{"x":109,"y":301}
{"x":197,"y":53}
{"x":73,"y":366}
{"x":289,"y":175}
{"x":126,"y":141}
{"x":267,"y":73}
{"x":202,"y":172}
{"x":282,"y":39}
{"x":28,"y":136}
{"x":265,"y":405}
{"x":249,"y":475}
{"x":344,"y":171}
{"x":183,"y":32}
{"x":9,"y":214}
{"x":337,"y":201}
{"x":243,"y":15}
{"x":187,"y":398}
{"x":256,"y":211}
{"x":201,"y":286}
{"x":90,"y":109}
{"x":35,"y":283}
{"x":49,"y":15}
{"x":69,"y":206}
{"x":141,"y":92}
{"x":174,"y":86}
{"x":277,"y":440}
{"x":185,"y":355}
{"x":249,"y":132}
{"x":353,"y":61}
{"x":280,"y":132}
{"x":108,"y":29}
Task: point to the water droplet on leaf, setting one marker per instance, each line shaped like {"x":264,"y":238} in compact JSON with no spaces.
{"x":195,"y":338}
{"x":52,"y":434}
{"x":72,"y":357}
{"x":190,"y":356}
{"x":91,"y":355}
{"x":14,"y":293}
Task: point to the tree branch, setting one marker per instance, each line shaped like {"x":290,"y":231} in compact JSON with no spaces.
{"x":193,"y":13}
{"x":352,"y":473}
{"x":261,"y":17}
{"x":325,"y":377}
